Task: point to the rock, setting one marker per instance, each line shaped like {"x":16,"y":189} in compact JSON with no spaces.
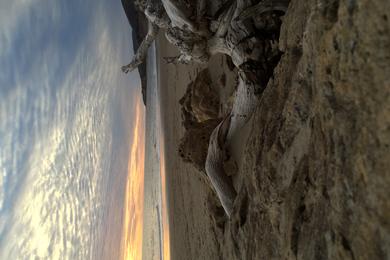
{"x":316,"y":162}
{"x":193,"y":146}
{"x":200,"y":105}
{"x":200,"y":100}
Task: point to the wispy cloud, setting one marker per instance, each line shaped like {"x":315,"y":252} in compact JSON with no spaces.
{"x":59,"y":74}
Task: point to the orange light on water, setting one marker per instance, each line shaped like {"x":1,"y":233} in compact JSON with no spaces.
{"x":131,"y":246}
{"x":166,"y":250}
{"x":165,"y":216}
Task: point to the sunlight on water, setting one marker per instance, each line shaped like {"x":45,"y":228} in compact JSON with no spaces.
{"x":164,"y":199}
{"x":133,"y":219}
{"x":165,"y":216}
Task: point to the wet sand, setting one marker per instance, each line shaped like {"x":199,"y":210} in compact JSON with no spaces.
{"x":193,"y":233}
{"x":189,"y":220}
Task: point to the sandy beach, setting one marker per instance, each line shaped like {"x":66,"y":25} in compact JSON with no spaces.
{"x":191,"y":226}
{"x":193,"y":230}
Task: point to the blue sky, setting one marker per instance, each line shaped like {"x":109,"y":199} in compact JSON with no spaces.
{"x":65,"y":117}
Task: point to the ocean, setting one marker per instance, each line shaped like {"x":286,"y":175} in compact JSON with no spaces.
{"x":153,"y":231}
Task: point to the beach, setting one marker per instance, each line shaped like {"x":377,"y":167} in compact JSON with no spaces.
{"x":311,"y":162}
{"x":193,"y":234}
{"x":187,"y":192}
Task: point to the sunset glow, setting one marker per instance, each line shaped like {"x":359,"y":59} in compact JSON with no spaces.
{"x":165,"y":217}
{"x":131,"y":245}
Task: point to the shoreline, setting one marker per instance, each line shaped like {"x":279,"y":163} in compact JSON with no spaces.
{"x":191,"y":223}
{"x":152,"y":227}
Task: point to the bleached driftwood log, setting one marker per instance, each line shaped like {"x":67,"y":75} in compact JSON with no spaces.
{"x":142,"y":51}
{"x":216,"y":156}
{"x":230,"y":32}
{"x":244,"y":104}
{"x":262,"y":7}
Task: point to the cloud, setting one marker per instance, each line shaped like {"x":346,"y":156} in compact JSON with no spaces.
{"x":10,"y":13}
{"x":60,"y":73}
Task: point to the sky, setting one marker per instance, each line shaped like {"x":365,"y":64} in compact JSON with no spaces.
{"x":67,"y":128}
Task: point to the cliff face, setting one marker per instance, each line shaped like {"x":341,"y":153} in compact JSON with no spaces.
{"x":138,"y":24}
{"x":315,"y":178}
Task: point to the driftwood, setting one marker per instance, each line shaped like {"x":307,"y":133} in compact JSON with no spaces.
{"x":199,"y":32}
{"x":142,"y":51}
{"x":244,"y":104}
{"x":216,"y":156}
{"x":262,"y":7}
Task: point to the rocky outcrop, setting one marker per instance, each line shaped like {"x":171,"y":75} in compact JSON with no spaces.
{"x":201,"y":101}
{"x":194,"y":143}
{"x":200,"y":107}
{"x":315,"y":180}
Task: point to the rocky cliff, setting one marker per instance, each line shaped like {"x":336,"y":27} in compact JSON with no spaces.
{"x":315,"y":178}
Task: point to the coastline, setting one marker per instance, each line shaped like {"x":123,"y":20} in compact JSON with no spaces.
{"x":303,"y":183}
{"x":152,"y":227}
{"x":192,"y":230}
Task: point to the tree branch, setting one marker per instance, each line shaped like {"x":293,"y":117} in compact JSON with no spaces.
{"x":262,"y":7}
{"x":161,"y":19}
{"x":142,"y":51}
{"x":224,"y":21}
{"x":179,"y":59}
{"x":178,"y":14}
